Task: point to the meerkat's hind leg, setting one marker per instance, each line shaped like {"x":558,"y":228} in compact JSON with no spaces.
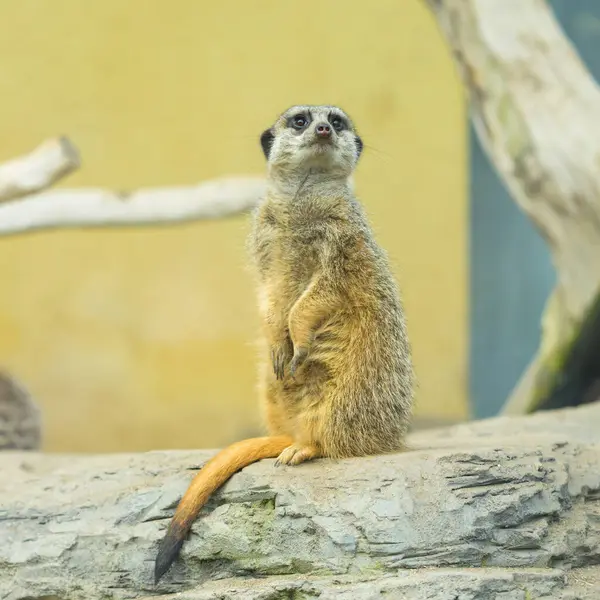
{"x":296,"y":454}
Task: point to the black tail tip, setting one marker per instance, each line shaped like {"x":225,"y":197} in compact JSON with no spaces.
{"x":167,"y":553}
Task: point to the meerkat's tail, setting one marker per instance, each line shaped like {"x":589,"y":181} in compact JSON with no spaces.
{"x":211,"y":477}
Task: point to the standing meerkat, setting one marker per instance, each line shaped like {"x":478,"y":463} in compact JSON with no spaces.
{"x":337,"y":378}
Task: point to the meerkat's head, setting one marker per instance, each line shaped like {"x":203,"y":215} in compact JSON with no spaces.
{"x":318,"y":138}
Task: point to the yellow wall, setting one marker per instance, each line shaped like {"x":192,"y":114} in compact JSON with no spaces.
{"x":134,"y":339}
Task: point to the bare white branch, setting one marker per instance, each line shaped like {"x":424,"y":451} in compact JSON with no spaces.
{"x":71,"y":208}
{"x":39,"y":169}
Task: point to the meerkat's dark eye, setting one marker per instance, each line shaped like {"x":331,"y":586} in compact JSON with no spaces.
{"x":337,"y":123}
{"x":299,"y":122}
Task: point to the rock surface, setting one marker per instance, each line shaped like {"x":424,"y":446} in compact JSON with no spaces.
{"x":500,"y":509}
{"x":20,"y":416}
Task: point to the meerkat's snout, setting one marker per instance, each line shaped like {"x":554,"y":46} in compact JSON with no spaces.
{"x":323,"y":131}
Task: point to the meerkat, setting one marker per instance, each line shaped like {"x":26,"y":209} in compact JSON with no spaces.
{"x":336,"y":377}
{"x":20,"y":419}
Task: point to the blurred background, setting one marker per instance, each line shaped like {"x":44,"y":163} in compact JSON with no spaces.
{"x":142,"y":338}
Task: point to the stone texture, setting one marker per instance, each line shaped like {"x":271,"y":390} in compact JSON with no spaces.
{"x":20,"y":416}
{"x":501,"y":509}
{"x":434,"y":584}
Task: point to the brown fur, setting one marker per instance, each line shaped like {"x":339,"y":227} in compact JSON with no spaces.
{"x":336,"y":374}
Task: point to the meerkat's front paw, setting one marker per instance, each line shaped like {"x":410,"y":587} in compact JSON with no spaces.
{"x":298,"y":359}
{"x":281,"y":354}
{"x":296,"y":454}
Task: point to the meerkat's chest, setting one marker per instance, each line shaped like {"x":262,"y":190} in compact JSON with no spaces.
{"x":295,"y":250}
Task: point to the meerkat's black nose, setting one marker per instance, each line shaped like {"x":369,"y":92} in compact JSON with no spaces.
{"x":323,"y":130}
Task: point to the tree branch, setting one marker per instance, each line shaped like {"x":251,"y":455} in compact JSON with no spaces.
{"x":536,"y":110}
{"x":96,"y":207}
{"x":38,"y":170}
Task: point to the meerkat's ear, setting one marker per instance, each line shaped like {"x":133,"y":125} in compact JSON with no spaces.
{"x":266,"y":141}
{"x":359,"y":145}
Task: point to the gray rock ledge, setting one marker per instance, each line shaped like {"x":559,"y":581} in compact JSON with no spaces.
{"x":501,"y":509}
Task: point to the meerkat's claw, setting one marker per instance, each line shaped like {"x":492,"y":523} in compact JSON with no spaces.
{"x":299,"y":357}
{"x":278,"y":364}
{"x":280,"y":356}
